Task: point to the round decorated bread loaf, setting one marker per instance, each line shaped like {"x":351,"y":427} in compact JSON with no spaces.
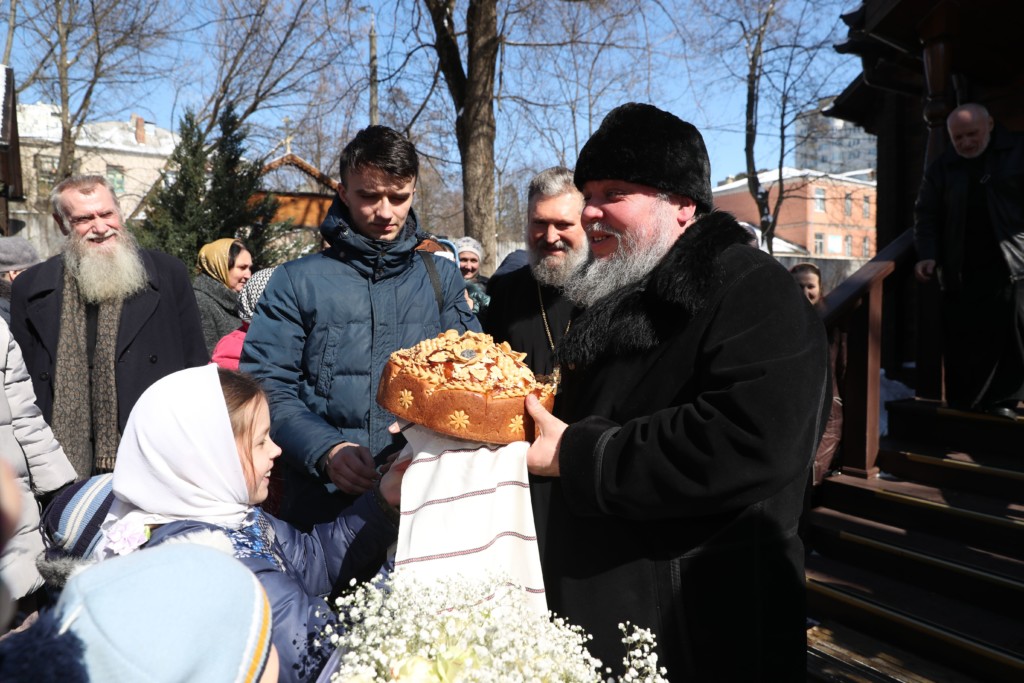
{"x":464,"y":386}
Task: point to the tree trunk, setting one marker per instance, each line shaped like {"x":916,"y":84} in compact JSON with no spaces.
{"x":476,"y":131}
{"x":472,"y":92}
{"x":66,"y":162}
{"x":755,"y":63}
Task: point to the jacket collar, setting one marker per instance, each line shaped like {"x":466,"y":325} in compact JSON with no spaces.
{"x":373,"y":259}
{"x":218,"y":291}
{"x":640,"y":316}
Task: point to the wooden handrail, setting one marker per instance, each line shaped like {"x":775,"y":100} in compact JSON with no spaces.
{"x":841,"y":300}
{"x":855,"y":307}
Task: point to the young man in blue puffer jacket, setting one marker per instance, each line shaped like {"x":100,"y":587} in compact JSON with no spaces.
{"x":328,"y":322}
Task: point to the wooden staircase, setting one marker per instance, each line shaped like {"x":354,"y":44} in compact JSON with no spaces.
{"x":918,"y":574}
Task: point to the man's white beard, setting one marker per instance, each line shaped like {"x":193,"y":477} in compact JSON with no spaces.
{"x":555,"y":272}
{"x":638,"y":252}
{"x":105,"y":274}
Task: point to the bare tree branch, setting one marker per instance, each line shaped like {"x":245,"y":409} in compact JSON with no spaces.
{"x":79,"y":49}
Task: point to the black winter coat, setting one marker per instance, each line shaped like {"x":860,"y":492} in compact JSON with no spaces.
{"x":940,"y":212}
{"x":514,"y":316}
{"x":160,"y":332}
{"x":695,"y":399}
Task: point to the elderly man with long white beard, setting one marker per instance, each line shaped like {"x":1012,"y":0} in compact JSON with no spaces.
{"x":694,"y":391}
{"x":100,"y":322}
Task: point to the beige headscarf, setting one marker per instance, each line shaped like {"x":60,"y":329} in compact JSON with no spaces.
{"x":213,"y":259}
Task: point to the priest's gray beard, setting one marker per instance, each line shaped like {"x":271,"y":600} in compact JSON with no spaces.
{"x":555,"y":272}
{"x":639,"y":250}
{"x":105,"y":274}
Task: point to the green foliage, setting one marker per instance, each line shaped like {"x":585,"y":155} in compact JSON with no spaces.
{"x":212,"y":196}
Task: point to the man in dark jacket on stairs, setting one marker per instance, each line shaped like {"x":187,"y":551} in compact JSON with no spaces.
{"x":969,"y":231}
{"x":695,"y":389}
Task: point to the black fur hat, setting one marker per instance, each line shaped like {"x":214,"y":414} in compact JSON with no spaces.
{"x":642,"y":144}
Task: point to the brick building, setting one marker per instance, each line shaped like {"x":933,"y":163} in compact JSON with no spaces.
{"x":831,"y":216}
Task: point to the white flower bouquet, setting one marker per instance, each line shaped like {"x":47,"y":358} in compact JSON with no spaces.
{"x":400,"y":629}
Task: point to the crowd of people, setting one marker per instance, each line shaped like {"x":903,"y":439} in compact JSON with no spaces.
{"x":693,"y":377}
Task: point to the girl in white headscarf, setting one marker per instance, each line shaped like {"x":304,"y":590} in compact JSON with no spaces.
{"x":195,"y":462}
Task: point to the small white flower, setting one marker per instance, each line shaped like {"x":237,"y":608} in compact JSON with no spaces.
{"x":396,"y":628}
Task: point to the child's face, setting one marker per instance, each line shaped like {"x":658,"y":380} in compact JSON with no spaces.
{"x":261,"y":452}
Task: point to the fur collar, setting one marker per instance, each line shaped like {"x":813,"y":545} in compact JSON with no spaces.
{"x":640,"y":316}
{"x":58,"y":570}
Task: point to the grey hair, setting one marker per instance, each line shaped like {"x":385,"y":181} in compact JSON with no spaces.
{"x":973,"y":108}
{"x":552,"y":182}
{"x":666,"y":197}
{"x":85,"y":184}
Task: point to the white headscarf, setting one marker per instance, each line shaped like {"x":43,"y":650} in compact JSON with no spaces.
{"x":177,"y":461}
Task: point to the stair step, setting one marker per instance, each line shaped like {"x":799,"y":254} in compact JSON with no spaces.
{"x":955,"y":633}
{"x":838,"y":654}
{"x":928,"y":422}
{"x":990,"y":475}
{"x":953,"y":569}
{"x":999,"y":461}
{"x":985,"y":522}
{"x":928,"y":558}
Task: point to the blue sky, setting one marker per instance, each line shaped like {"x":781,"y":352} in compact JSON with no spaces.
{"x":717,"y":110}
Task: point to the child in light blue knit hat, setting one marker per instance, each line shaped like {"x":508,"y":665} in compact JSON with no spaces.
{"x":179,"y":613}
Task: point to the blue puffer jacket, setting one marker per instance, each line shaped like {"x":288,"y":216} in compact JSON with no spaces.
{"x":326,"y":325}
{"x":298,"y":571}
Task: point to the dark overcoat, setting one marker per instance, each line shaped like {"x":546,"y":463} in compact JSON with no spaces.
{"x":515,"y":316}
{"x":695,"y":399}
{"x":160,"y":332}
{"x":941,"y":218}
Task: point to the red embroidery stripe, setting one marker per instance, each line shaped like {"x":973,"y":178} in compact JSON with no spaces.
{"x":468,"y":494}
{"x":470,"y":551}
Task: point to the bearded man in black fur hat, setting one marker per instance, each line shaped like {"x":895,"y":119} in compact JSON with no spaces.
{"x":671,"y":478}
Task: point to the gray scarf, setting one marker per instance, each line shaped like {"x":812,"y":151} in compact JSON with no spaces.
{"x":84,"y":400}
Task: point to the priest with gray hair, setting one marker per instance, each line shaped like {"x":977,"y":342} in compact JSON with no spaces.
{"x":528,"y":308}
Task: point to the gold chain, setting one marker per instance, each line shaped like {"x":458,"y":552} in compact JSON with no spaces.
{"x":556,"y":374}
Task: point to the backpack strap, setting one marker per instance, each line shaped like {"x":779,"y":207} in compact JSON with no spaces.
{"x":435,"y":279}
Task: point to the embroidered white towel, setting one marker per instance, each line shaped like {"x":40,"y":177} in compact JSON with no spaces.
{"x":466,"y":511}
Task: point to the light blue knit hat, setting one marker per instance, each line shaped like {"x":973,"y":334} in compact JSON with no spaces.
{"x":175,"y":613}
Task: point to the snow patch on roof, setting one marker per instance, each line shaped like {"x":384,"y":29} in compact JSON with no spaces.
{"x":41,"y":121}
{"x":771,"y":177}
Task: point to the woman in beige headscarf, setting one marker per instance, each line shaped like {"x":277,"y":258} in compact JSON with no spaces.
{"x":223,"y":267}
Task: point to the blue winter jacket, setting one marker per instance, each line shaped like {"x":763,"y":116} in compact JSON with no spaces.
{"x":299,"y":571}
{"x":326,"y":325}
